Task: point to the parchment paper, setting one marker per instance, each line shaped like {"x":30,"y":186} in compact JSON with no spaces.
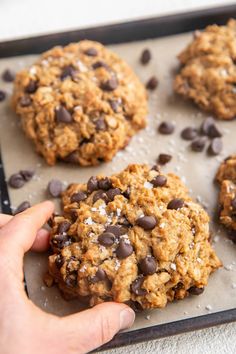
{"x":197,"y":170}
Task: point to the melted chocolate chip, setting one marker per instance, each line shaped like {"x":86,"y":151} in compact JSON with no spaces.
{"x":148,"y":265}
{"x":136,"y":286}
{"x":116,"y":230}
{"x":215,"y":146}
{"x":126,"y":193}
{"x":115,"y":104}
{"x":104,"y":183}
{"x":189,"y":133}
{"x":99,"y":276}
{"x":22,"y":207}
{"x":152,"y":83}
{"x":100,"y":64}
{"x":63,"y":227}
{"x":194,"y":290}
{"x":111,"y":193}
{"x":159,"y":181}
{"x":100,"y":124}
{"x":55,"y":188}
{"x":91,"y":52}
{"x":145,"y":56}
{"x":31,"y":87}
{"x":164,"y":159}
{"x":106,"y":239}
{"x":61,"y":241}
{"x":176,"y":204}
{"x":124,"y":249}
{"x":68,"y":71}
{"x":16,"y":181}
{"x":109,"y":85}
{"x":63,"y":115}
{"x":27,"y":174}
{"x":233,"y":203}
{"x":78,"y":197}
{"x":71,"y":158}
{"x":25,"y":101}
{"x":198,"y":144}
{"x":166,"y":128}
{"x":59,"y":261}
{"x":2,"y":95}
{"x":8,"y":75}
{"x":100,"y":195}
{"x":92,"y":184}
{"x":135,"y":305}
{"x":146,"y":222}
{"x":71,"y":280}
{"x":51,"y":219}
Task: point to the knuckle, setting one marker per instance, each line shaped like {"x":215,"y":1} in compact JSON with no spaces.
{"x":106,"y":330}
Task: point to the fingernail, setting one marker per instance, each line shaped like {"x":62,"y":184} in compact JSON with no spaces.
{"x":127,"y":317}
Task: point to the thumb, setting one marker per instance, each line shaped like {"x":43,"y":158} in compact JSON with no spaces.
{"x":94,"y":327}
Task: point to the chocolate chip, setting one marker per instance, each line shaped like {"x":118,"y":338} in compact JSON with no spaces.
{"x":100,"y":64}
{"x":71,"y":280}
{"x":27,"y":174}
{"x":8,"y":75}
{"x":104,"y":183}
{"x":23,"y":206}
{"x":155,"y":168}
{"x":215,"y":146}
{"x":176,"y":204}
{"x":68,"y":71}
{"x":91,"y":52}
{"x":126,"y":193}
{"x":16,"y":181}
{"x":2,"y":95}
{"x":59,"y":261}
{"x":159,"y":181}
{"x":124,"y":249}
{"x":109,"y":85}
{"x":115,"y":230}
{"x":214,"y":132}
{"x":164,"y":159}
{"x":63,"y":227}
{"x":233,"y":203}
{"x":166,"y":128}
{"x":115,"y":104}
{"x":145,"y":56}
{"x":25,"y":101}
{"x":135,"y":305}
{"x":54,"y":188}
{"x":106,"y":239}
{"x":71,"y":158}
{"x":124,"y":222}
{"x":198,"y":144}
{"x":232,"y":235}
{"x":63,"y":115}
{"x":92,"y":184}
{"x":111,"y":193}
{"x":152,"y":83}
{"x":206,"y":124}
{"x":136,"y":286}
{"x":31,"y":87}
{"x":148,"y":265}
{"x":189,"y":133}
{"x":61,"y":241}
{"x":194,"y":290}
{"x":51,"y":219}
{"x":100,"y":124}
{"x":99,"y":276}
{"x":100,"y":195}
{"x":146,"y":222}
{"x":78,"y":197}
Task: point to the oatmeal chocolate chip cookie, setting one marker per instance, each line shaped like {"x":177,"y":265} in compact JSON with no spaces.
{"x":226,"y":176}
{"x":135,"y":237}
{"x":208,"y":71}
{"x":81,"y":103}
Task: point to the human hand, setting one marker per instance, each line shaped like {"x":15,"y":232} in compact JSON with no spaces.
{"x":25,"y":328}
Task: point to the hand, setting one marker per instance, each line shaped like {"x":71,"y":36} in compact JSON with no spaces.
{"x":26,"y":329}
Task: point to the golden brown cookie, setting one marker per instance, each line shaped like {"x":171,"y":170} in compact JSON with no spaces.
{"x":135,"y":237}
{"x":81,"y":103}
{"x":208,"y":73}
{"x":227,"y":170}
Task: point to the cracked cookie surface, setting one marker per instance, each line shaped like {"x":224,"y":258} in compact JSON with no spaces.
{"x":135,"y":237}
{"x":80,"y":103}
{"x":208,"y":70}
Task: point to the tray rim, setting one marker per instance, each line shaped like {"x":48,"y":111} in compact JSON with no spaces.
{"x":147,"y":28}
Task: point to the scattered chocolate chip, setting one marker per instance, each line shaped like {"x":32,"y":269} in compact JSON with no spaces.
{"x":176,"y":204}
{"x":233,"y":203}
{"x":146,"y":222}
{"x":99,"y":276}
{"x":59,"y":261}
{"x":104,"y":183}
{"x":63,"y":227}
{"x":164,"y":159}
{"x":124,"y":249}
{"x":2,"y":95}
{"x":215,"y":146}
{"x":100,"y":195}
{"x":71,"y":158}
{"x":63,"y":115}
{"x":148,"y":265}
{"x":115,"y":104}
{"x":31,"y":87}
{"x":68,"y":71}
{"x":106,"y":239}
{"x":100,"y":64}
{"x":159,"y":181}
{"x":100,"y":124}
{"x":25,"y":101}
{"x":8,"y":75}
{"x":23,"y":206}
{"x":109,"y":85}
{"x":126,"y":193}
{"x":54,"y":188}
{"x":136,"y":286}
{"x":206,"y":124}
{"x":115,"y":230}
{"x":78,"y":197}
{"x":194,"y":290}
{"x":152,"y":83}
{"x":145,"y":56}
{"x":16,"y":181}
{"x":189,"y":133}
{"x":27,"y":174}
{"x":92,"y":184}
{"x":198,"y":144}
{"x":91,"y":52}
{"x":214,"y":131}
{"x":111,"y":193}
{"x":166,"y":128}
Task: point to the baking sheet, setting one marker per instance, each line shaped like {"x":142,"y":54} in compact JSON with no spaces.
{"x":197,"y":170}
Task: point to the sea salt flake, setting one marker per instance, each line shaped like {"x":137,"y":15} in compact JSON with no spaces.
{"x":89,"y":221}
{"x":93,"y":209}
{"x":199,"y":260}
{"x":117,"y":264}
{"x":208,"y":307}
{"x":162,"y":225}
{"x":118,"y":211}
{"x":148,"y":185}
{"x":33,"y":70}
{"x":173,"y":266}
{"x":148,"y":317}
{"x":83,"y":268}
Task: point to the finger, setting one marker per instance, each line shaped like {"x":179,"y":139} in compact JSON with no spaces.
{"x":4,"y":218}
{"x":94,"y":327}
{"x":20,"y":232}
{"x":41,"y":242}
